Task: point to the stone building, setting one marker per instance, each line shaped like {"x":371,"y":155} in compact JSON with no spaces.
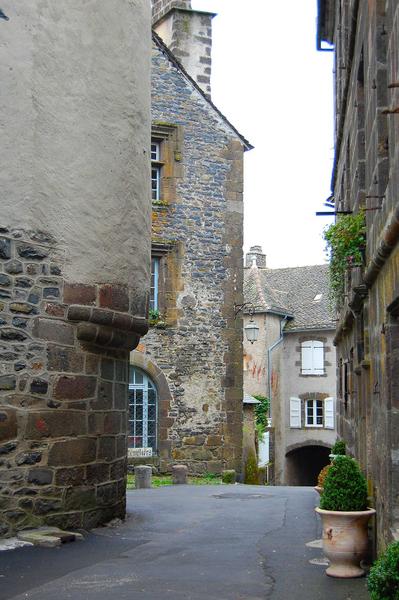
{"x":74,"y":253}
{"x":365,"y":39}
{"x":293,"y":364}
{"x":186,"y":375}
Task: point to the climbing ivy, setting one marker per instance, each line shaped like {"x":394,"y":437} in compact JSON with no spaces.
{"x":261,"y":414}
{"x":345,"y":241}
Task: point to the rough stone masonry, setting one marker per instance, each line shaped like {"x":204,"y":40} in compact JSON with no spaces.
{"x":74,"y":253}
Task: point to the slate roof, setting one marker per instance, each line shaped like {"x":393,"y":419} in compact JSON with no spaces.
{"x":292,"y":292}
{"x":248,"y":399}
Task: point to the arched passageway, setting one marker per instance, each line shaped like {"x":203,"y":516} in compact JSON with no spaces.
{"x":304,"y":464}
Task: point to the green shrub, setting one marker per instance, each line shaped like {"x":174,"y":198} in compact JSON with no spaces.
{"x":383,"y":580}
{"x":228,"y":476}
{"x":339,"y":447}
{"x":345,"y":486}
{"x":251,"y":476}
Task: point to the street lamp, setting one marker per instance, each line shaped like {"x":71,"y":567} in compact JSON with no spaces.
{"x":251,"y":329}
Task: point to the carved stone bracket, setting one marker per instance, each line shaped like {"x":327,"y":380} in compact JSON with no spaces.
{"x":105,"y":327}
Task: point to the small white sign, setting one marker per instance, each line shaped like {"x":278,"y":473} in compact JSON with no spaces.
{"x":139,"y":452}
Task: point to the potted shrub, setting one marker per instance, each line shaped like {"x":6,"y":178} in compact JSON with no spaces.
{"x":344,"y":514}
{"x":320,"y":479}
{"x":383,"y":580}
{"x":339,"y":449}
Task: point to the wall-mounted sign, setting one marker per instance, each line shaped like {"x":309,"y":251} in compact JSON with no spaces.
{"x":139,"y":452}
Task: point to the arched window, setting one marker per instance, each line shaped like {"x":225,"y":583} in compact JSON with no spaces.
{"x":143,"y":411}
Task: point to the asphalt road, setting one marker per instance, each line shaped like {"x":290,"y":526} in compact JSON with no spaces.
{"x":188,"y":542}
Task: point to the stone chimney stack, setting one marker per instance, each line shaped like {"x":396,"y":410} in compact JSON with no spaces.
{"x":188,"y":34}
{"x":255,"y":256}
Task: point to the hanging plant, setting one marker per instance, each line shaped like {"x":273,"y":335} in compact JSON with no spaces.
{"x":156,"y":319}
{"x":346,"y":240}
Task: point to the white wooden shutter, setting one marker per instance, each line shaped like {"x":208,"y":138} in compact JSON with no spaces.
{"x":318,"y":358}
{"x":329,"y":413}
{"x":312,"y":357}
{"x":306,"y":358}
{"x":295,"y":412}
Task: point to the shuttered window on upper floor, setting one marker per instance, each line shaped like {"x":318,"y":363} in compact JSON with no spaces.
{"x":312,"y":357}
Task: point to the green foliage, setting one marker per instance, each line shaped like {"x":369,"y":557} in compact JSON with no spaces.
{"x":251,"y":475}
{"x":205,"y":479}
{"x":153,"y":314}
{"x":261,"y":414}
{"x":345,"y":487}
{"x":339,"y":447}
{"x":228,"y":476}
{"x":322,"y":475}
{"x":383,"y":580}
{"x":161,"y":480}
{"x":345,"y":239}
{"x":155,"y":318}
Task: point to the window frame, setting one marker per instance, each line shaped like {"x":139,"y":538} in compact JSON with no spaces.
{"x":145,"y":386}
{"x":157,"y":165}
{"x":314,"y":402}
{"x":154,"y":286}
{"x":314,"y":370}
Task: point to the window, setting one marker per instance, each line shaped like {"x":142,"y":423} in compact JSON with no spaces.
{"x":154,"y":291}
{"x":312,"y":358}
{"x":318,"y":413}
{"x":143,"y":411}
{"x":314,"y":413}
{"x":156,"y":167}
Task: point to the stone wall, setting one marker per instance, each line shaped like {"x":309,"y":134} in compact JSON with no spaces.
{"x":74,"y":254}
{"x":199,"y":231}
{"x":366,"y":175}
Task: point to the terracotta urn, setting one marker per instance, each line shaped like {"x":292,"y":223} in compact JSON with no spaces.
{"x":345,"y":540}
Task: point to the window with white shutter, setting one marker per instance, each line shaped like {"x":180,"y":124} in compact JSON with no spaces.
{"x":295,"y":412}
{"x":312,"y":358}
{"x":314,"y":413}
{"x":329,"y":421}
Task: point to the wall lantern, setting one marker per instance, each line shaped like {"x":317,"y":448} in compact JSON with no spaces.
{"x":251,"y":329}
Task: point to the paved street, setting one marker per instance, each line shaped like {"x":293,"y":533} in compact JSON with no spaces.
{"x":192,"y":543}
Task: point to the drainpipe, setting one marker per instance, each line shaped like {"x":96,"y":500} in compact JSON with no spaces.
{"x":283,"y":323}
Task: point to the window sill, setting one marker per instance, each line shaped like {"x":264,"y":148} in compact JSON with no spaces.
{"x":313,"y":374}
{"x":160,"y":203}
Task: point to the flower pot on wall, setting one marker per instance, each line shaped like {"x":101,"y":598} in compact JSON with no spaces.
{"x":345,"y":540}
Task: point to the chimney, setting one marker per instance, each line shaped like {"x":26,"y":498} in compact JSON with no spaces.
{"x":256,"y":257}
{"x":188,"y":34}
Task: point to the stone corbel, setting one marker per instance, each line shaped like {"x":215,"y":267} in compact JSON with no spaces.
{"x":104,"y":327}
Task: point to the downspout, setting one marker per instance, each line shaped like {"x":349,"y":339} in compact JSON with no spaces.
{"x":283,"y":323}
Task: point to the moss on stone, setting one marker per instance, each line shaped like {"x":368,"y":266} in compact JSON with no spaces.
{"x":251,"y":471}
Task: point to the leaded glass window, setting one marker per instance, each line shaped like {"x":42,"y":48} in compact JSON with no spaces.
{"x":154,"y":305}
{"x":155,"y":170}
{"x":143,"y":411}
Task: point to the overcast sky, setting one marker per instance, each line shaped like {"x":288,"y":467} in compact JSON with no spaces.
{"x":272,"y":84}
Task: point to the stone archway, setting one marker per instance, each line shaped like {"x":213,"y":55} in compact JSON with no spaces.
{"x":304,"y":462}
{"x":143,"y":362}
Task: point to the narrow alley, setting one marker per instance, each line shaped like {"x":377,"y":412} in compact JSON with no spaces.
{"x":192,"y":543}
